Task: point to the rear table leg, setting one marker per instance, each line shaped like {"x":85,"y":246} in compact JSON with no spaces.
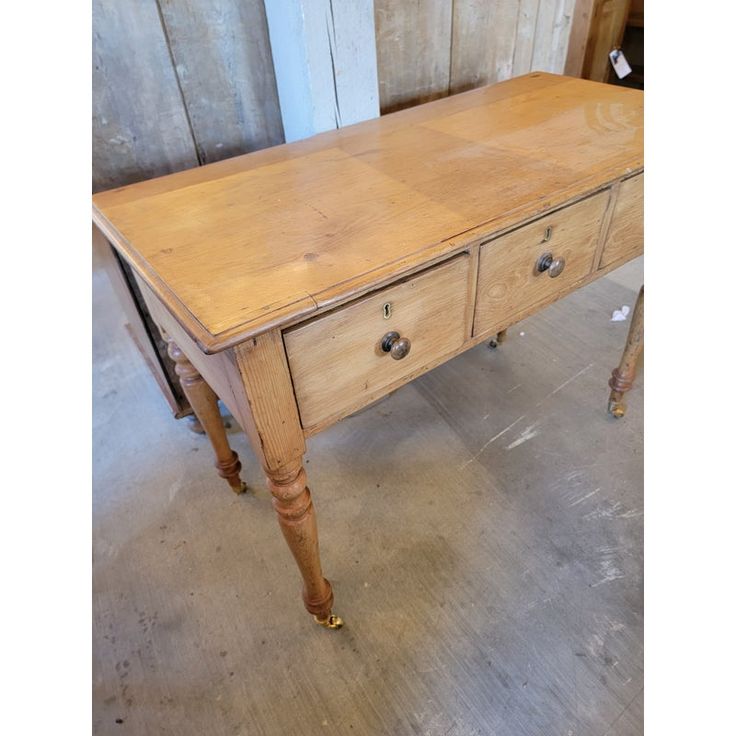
{"x":622,"y":377}
{"x":203,"y":401}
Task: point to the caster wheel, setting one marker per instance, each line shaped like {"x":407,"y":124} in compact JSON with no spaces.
{"x":331,"y":622}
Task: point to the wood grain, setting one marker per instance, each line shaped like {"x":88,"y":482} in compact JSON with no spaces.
{"x":636,"y":14}
{"x":223,"y":61}
{"x":605,"y":33}
{"x":488,"y":42}
{"x":625,"y":238}
{"x":272,"y":424}
{"x":526,"y":26}
{"x":508,"y":281}
{"x":336,"y":360}
{"x":413,"y":43}
{"x":204,"y":403}
{"x":264,"y":373}
{"x":438,"y":571}
{"x":139,"y":124}
{"x":350,"y":210}
{"x":213,"y":368}
{"x":551,"y":35}
{"x":483,"y":42}
{"x":578,"y":40}
{"x":622,"y":377}
{"x":292,"y":501}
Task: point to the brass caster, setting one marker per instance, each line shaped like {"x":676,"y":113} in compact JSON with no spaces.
{"x":616,"y":409}
{"x":239,"y":490}
{"x":331,"y":622}
{"x":493,"y":344}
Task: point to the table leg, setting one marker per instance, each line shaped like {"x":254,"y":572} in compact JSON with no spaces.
{"x":293,"y":503}
{"x":622,"y":377}
{"x":203,"y":401}
{"x":269,"y":414}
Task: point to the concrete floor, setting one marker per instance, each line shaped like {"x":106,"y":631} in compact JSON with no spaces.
{"x":482,"y":528}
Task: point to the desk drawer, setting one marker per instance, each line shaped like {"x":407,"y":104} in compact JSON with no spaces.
{"x":337,"y":361}
{"x":509,"y":280}
{"x":625,"y":238}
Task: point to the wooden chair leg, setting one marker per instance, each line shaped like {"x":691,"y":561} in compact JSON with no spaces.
{"x":622,"y":377}
{"x":293,"y":503}
{"x":203,"y":401}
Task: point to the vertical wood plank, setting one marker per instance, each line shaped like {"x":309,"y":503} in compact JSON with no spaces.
{"x":561,"y":38}
{"x":324,"y":57}
{"x":139,"y":123}
{"x":483,"y":41}
{"x":578,"y":37}
{"x":606,"y":31}
{"x":413,"y":44}
{"x":223,"y":61}
{"x":526,"y":28}
{"x":351,"y":41}
{"x":552,"y":35}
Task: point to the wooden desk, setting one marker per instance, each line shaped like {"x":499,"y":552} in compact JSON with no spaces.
{"x":303,"y":282}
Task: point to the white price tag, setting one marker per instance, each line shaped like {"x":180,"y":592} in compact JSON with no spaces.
{"x":619,"y":63}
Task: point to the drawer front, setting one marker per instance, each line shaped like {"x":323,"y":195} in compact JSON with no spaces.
{"x":337,"y":362}
{"x":625,"y":238}
{"x":509,"y":279}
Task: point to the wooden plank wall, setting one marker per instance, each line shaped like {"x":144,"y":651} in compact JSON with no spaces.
{"x":427,"y":49}
{"x":177,"y":83}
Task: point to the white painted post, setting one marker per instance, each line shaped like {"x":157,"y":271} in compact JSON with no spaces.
{"x":324,"y":57}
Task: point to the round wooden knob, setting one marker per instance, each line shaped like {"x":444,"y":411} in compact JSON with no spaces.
{"x":553,"y":266}
{"x":398,"y":346}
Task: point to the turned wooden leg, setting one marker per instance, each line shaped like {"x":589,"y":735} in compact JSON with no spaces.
{"x":622,"y":377}
{"x":203,"y":401}
{"x":293,"y":503}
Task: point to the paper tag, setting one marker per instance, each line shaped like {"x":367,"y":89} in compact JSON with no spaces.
{"x":619,"y":63}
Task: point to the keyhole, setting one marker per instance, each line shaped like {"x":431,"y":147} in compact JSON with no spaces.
{"x":547,"y":233}
{"x":387,"y":310}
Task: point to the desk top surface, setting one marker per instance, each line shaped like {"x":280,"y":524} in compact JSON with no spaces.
{"x":249,"y":243}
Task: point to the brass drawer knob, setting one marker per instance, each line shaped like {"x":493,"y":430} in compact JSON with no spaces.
{"x":398,"y":346}
{"x":553,"y":266}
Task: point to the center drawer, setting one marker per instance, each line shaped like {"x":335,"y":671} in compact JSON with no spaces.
{"x":346,"y":358}
{"x":536,"y":263}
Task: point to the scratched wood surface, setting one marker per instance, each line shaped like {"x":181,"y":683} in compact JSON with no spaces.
{"x":486,"y":553}
{"x":139,"y":123}
{"x":243,"y":245}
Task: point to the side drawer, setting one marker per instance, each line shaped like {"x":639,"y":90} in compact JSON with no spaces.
{"x":625,"y":239}
{"x":337,"y":362}
{"x":509,"y":279}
